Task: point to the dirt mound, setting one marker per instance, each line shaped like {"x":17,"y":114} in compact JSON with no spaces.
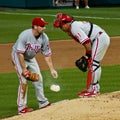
{"x":102,"y":107}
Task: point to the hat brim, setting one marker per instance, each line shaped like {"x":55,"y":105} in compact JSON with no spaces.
{"x":45,"y":23}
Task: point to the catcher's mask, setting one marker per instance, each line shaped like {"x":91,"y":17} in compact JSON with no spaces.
{"x":62,"y":19}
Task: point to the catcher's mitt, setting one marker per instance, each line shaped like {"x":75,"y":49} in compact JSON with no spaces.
{"x":31,"y":76}
{"x":82,"y":64}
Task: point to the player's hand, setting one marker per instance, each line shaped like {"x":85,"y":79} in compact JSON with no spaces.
{"x":25,"y":73}
{"x":54,"y":74}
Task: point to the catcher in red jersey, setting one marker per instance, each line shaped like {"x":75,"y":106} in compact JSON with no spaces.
{"x":29,"y":43}
{"x":95,"y":41}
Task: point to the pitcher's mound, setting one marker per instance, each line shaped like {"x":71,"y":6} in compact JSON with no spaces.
{"x":102,"y":107}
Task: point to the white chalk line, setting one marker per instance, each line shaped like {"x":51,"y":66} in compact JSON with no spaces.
{"x":49,"y":15}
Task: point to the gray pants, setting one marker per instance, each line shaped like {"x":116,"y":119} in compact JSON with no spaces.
{"x":31,"y":65}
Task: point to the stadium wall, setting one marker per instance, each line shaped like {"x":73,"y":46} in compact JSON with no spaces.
{"x":104,"y":3}
{"x":50,"y":3}
{"x":26,"y":3}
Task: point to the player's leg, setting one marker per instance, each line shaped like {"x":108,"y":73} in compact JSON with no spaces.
{"x":43,"y":101}
{"x":77,"y":4}
{"x":23,"y":87}
{"x":86,"y":4}
{"x":99,"y":48}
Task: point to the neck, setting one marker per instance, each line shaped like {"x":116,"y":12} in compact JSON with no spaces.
{"x":36,"y":34}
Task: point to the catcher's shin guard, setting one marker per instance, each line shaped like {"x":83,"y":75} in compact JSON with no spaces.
{"x":89,"y":78}
{"x":95,"y":64}
{"x":91,"y":72}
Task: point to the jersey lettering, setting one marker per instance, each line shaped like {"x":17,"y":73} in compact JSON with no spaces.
{"x":34,"y":47}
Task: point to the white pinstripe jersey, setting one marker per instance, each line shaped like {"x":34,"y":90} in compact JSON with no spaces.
{"x":80,"y":30}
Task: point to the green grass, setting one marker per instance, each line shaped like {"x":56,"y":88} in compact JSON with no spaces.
{"x":71,"y":81}
{"x":15,"y":20}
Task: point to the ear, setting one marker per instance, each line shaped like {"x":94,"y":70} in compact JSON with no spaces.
{"x":35,"y":27}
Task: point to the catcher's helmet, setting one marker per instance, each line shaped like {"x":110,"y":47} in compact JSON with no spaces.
{"x":62,"y":19}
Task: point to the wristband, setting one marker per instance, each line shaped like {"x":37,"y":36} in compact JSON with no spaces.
{"x":88,"y":54}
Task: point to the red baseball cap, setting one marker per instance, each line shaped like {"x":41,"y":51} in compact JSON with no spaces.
{"x":39,"y":22}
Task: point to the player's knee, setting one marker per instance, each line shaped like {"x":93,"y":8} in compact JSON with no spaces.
{"x":96,"y":65}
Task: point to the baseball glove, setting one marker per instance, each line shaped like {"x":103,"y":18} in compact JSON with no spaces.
{"x":31,"y":76}
{"x":82,"y":64}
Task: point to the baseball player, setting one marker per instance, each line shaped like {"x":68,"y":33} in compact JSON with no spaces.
{"x":29,"y":43}
{"x":85,"y":2}
{"x":95,"y":41}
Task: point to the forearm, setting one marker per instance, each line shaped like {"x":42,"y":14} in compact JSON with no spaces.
{"x":51,"y":67}
{"x":88,"y":49}
{"x":48,"y":60}
{"x":22,"y":62}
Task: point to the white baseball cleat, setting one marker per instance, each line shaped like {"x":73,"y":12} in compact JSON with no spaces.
{"x":49,"y":104}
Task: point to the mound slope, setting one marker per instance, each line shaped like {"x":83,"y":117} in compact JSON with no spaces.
{"x":102,"y":107}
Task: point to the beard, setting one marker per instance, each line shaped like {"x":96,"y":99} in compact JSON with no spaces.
{"x":37,"y":36}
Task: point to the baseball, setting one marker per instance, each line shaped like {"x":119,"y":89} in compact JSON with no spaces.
{"x":55,"y":88}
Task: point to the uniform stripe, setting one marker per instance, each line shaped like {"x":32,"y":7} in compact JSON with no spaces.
{"x":84,"y":40}
{"x":20,"y":51}
{"x":93,"y":73}
{"x":19,"y":75}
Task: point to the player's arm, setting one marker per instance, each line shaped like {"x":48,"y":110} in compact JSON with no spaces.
{"x":87,"y":46}
{"x":46,"y":51}
{"x":22,"y":62}
{"x":49,"y":62}
{"x":84,"y":40}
